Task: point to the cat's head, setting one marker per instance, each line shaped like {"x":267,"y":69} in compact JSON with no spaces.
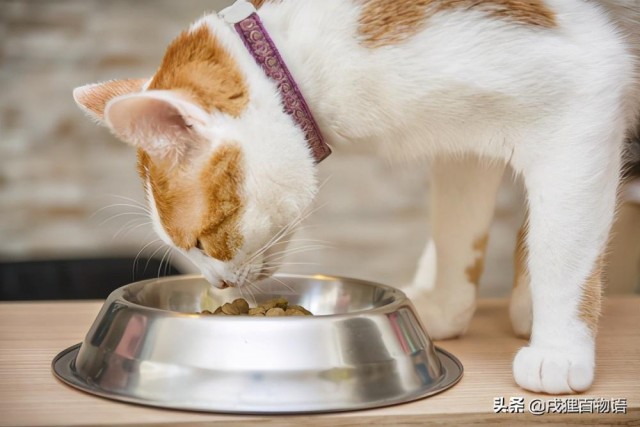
{"x":226,"y":170}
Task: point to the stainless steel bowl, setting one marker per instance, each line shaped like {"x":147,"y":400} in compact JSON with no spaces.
{"x":364,"y":348}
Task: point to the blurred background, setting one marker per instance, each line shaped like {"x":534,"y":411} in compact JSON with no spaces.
{"x":66,"y":230}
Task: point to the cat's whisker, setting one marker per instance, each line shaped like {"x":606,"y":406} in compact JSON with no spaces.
{"x":284,"y":284}
{"x":135,"y":261}
{"x":301,"y":240}
{"x":248,"y":288}
{"x":115,"y":205}
{"x":265,"y":259}
{"x":280,"y":259}
{"x":276,"y":264}
{"x":124,"y":226}
{"x":271,"y":242}
{"x":130,"y":225}
{"x":111,"y":218}
{"x":249,"y":272}
{"x":167,"y":267}
{"x":294,"y":250}
{"x":279,"y":266}
{"x":324,"y":182}
{"x":284,"y":264}
{"x":255,"y":287}
{"x":307,"y":227}
{"x":162,"y":260}
{"x":323,"y":242}
{"x":151,"y":257}
{"x":136,"y":227}
{"x":284,"y":231}
{"x":162,"y":268}
{"x":296,"y":221}
{"x":136,"y":202}
{"x":131,"y":221}
{"x":241,"y":293}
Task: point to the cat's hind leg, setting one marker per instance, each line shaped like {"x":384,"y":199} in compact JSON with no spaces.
{"x":520,"y":310}
{"x":571,"y":183}
{"x":462,"y":204}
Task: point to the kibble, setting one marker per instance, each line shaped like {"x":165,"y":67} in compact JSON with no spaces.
{"x":275,"y":311}
{"x":274,"y":307}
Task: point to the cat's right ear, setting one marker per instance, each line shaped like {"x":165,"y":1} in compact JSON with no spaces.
{"x":93,"y":98}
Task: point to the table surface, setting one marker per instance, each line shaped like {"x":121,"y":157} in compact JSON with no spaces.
{"x":31,"y":334}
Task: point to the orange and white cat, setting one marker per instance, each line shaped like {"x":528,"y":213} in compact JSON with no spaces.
{"x":549,"y":87}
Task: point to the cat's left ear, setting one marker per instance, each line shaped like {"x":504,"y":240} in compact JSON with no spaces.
{"x":165,"y":124}
{"x":93,"y":98}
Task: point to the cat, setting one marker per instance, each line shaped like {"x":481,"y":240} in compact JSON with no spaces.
{"x":548,"y":87}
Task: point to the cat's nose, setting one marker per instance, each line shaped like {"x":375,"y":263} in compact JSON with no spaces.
{"x":224,"y":284}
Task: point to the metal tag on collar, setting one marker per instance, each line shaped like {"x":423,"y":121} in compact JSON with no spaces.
{"x":237,"y":12}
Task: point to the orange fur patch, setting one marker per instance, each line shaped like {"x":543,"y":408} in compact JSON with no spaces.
{"x":385,"y":22}
{"x":198,"y":65}
{"x":258,"y":3}
{"x":521,"y":273}
{"x":222,"y":178}
{"x":206,"y":207}
{"x":95,"y":97}
{"x":591,"y":301}
{"x":474,"y":271}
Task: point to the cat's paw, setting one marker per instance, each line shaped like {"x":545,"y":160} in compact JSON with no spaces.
{"x":445,"y":316}
{"x":554,"y":370}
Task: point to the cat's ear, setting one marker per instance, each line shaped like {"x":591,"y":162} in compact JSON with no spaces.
{"x":162,"y":123}
{"x":93,"y":98}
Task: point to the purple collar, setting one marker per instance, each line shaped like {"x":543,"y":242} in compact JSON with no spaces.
{"x":242,"y":15}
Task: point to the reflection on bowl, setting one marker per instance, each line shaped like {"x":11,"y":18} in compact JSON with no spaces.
{"x":363,"y":348}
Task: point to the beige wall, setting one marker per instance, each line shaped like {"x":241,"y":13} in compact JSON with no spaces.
{"x":57,"y":168}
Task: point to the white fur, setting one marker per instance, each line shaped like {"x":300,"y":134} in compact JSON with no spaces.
{"x":555,"y":104}
{"x":425,"y":277}
{"x":280,"y":180}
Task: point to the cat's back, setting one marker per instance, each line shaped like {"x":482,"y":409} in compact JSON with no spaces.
{"x":451,"y":57}
{"x":625,"y":14}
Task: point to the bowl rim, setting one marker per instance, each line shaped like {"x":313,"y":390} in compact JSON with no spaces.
{"x":64,"y":370}
{"x":400,"y":299}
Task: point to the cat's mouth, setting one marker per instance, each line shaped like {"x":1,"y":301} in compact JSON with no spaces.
{"x":242,"y":272}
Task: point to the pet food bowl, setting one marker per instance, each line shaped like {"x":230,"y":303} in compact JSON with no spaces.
{"x":364,"y":348}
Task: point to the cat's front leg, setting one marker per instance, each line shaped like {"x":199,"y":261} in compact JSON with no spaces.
{"x":572,"y":191}
{"x":463,"y":199}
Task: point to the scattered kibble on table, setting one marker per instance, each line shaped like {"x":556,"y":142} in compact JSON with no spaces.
{"x":274,"y":307}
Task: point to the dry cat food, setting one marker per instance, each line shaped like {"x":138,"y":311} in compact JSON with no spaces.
{"x":274,"y":307}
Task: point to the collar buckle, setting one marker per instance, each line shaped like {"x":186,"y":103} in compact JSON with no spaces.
{"x":238,"y":11}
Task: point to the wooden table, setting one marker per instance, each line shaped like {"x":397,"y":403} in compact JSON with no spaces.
{"x":31,"y":334}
